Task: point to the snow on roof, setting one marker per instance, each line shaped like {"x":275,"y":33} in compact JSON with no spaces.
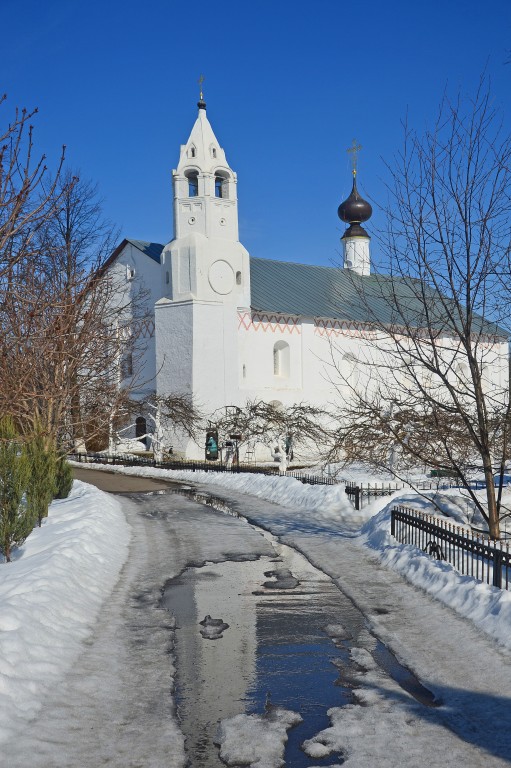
{"x":153,"y":250}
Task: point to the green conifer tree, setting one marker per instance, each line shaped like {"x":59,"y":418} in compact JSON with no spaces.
{"x":16,"y":520}
{"x":41,"y":482}
{"x":63,"y":478}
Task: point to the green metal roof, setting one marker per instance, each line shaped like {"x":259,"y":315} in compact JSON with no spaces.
{"x":341,"y":294}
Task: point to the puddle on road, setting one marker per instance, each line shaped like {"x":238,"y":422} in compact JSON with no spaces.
{"x":289,"y":635}
{"x":275,"y":645}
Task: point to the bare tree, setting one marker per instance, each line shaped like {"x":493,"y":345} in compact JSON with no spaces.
{"x":26,"y":201}
{"x":284,"y":428}
{"x":66,"y":324}
{"x":174,"y":413}
{"x":434,"y":383}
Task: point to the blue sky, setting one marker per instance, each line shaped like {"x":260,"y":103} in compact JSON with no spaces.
{"x":288,"y":87}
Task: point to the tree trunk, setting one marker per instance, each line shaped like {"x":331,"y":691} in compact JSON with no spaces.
{"x":493,"y":515}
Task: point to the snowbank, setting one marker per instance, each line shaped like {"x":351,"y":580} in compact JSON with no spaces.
{"x":328,"y":502}
{"x":50,"y":595}
{"x":488,"y":607}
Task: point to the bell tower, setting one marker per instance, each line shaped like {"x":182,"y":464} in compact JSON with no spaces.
{"x":205,"y":260}
{"x":205,"y":199}
{"x":205,"y":274}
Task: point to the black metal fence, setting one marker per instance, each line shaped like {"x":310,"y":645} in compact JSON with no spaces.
{"x":469,"y":552}
{"x":128,"y":460}
{"x":361,"y":494}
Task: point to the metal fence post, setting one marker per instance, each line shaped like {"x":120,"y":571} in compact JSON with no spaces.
{"x":497,"y":568}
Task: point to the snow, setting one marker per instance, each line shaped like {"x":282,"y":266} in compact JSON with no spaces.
{"x":50,"y":595}
{"x":487,"y":607}
{"x":52,"y":592}
{"x":328,"y":509}
{"x":256,"y":740}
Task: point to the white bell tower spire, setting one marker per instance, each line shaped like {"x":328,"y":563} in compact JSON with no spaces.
{"x":205,"y":199}
{"x":205,"y":260}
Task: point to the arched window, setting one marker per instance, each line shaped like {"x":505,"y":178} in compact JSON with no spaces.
{"x":221,"y":185}
{"x":238,"y":278}
{"x":127,"y":365}
{"x":281,"y":359}
{"x":193,"y":183}
{"x":192,"y":152}
{"x":462,"y":372}
{"x":213,"y":152}
{"x":350,"y":370}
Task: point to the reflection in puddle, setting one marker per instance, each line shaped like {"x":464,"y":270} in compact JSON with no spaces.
{"x":287,"y":633}
{"x":275,"y":645}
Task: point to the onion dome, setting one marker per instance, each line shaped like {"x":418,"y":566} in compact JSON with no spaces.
{"x":354,"y":210}
{"x":201,"y":104}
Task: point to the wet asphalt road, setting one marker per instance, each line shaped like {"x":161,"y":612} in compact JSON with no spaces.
{"x":113,"y":482}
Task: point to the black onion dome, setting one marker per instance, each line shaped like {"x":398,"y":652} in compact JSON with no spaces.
{"x":355,"y":209}
{"x":201,"y":103}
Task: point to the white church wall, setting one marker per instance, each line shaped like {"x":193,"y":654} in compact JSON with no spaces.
{"x":315,"y":359}
{"x":206,"y":268}
{"x":137,"y":278}
{"x":196,"y":352}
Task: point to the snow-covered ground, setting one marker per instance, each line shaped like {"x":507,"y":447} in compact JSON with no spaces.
{"x":52,"y":592}
{"x":487,"y":607}
{"x":50,"y":596}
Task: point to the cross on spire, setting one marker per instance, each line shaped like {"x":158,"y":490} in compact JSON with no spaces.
{"x":200,"y":81}
{"x":353,"y":151}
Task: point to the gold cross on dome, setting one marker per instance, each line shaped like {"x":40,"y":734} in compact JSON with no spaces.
{"x":200,"y":81}
{"x":353,"y":151}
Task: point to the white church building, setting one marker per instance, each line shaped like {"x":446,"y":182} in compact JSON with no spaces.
{"x":227,"y":327}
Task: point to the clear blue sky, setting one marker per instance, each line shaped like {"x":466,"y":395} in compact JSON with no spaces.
{"x":288,"y":86}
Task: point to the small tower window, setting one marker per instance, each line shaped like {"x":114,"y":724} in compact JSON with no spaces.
{"x":167,"y":277}
{"x":238,"y":278}
{"x":192,"y":152}
{"x":219,"y":186}
{"x":213,"y":152}
{"x":244,"y":371}
{"x":193,"y":184}
{"x":130,"y":272}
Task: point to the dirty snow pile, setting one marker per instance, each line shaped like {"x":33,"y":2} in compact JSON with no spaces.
{"x":50,"y":595}
{"x":257,"y":740}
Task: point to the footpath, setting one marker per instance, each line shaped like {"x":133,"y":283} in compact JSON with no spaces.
{"x":464,"y":668}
